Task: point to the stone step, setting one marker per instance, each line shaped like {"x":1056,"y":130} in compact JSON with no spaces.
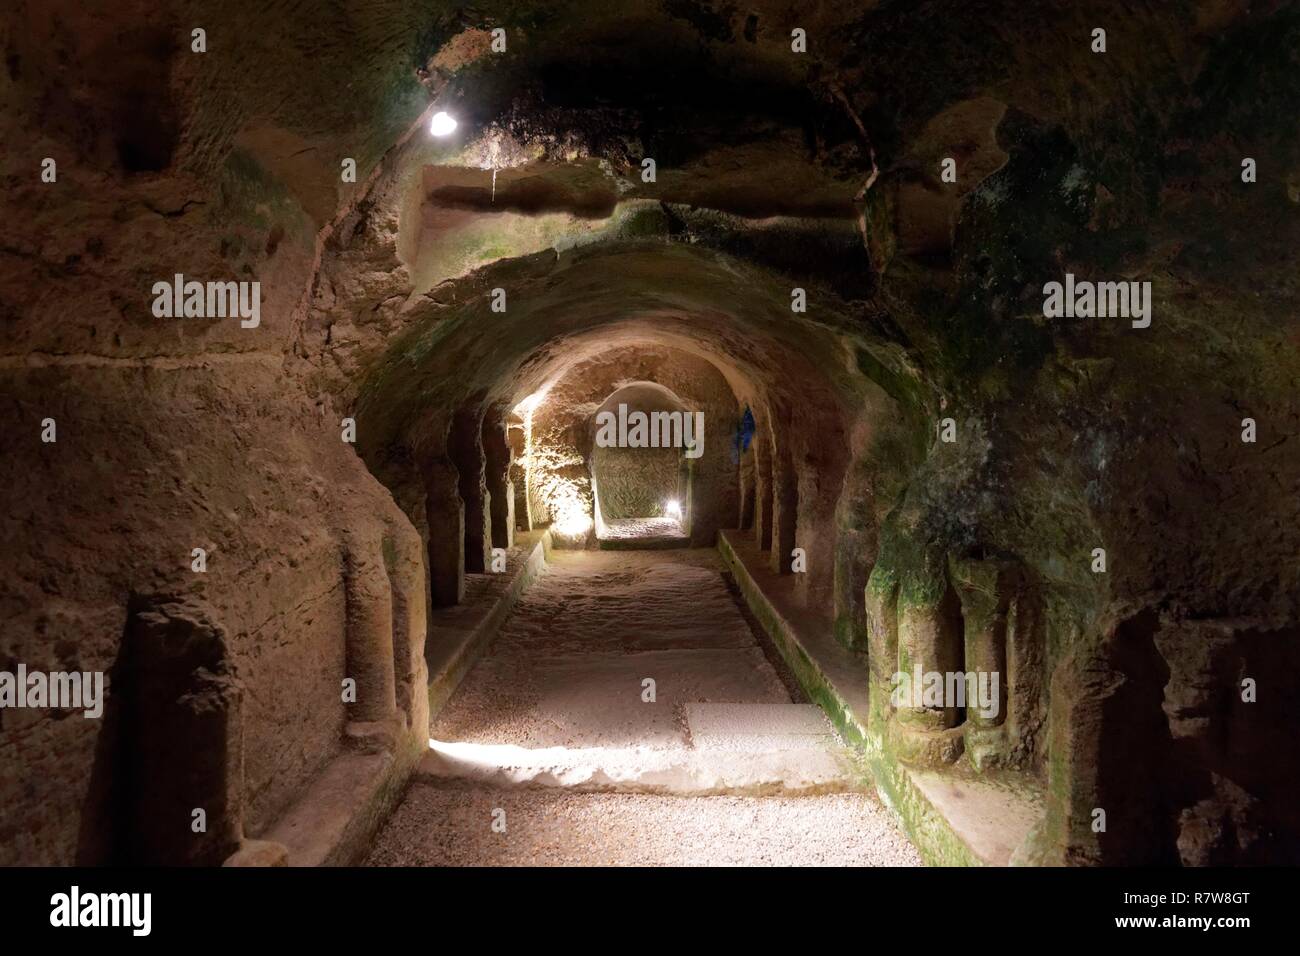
{"x":655,"y":542}
{"x":680,"y":771}
{"x":759,"y":728}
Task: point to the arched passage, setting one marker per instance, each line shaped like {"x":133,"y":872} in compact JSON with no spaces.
{"x":645,"y":441}
{"x":858,"y":239}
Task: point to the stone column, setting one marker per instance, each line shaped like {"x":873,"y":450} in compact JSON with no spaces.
{"x":785,"y":503}
{"x":445,"y":517}
{"x":406,"y":579}
{"x":498,"y":456}
{"x":762,"y":488}
{"x":1026,"y":676}
{"x":880,"y":602}
{"x":517,"y":438}
{"x":747,"y":490}
{"x":855,"y":554}
{"x":983,"y":588}
{"x":466,"y":449}
{"x":369,"y":633}
{"x":929,"y":644}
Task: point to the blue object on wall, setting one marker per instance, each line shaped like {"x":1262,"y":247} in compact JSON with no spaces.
{"x":744,"y":434}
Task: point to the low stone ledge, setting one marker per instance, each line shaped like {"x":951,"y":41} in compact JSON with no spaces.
{"x":955,"y":818}
{"x":332,"y":823}
{"x":259,"y":853}
{"x":457,"y":636}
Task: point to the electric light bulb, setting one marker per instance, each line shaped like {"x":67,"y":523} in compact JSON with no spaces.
{"x":442,"y":124}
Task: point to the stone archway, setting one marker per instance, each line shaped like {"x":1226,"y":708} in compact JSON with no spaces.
{"x":645,"y":441}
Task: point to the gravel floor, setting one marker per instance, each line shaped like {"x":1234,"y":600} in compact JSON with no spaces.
{"x":567,"y":667}
{"x":567,"y":672}
{"x":452,"y":826}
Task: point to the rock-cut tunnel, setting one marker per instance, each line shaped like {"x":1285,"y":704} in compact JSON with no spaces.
{"x":632,"y":433}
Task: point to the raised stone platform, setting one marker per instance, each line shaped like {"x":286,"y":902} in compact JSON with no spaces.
{"x":332,"y":823}
{"x":763,"y":769}
{"x":623,"y":534}
{"x":953,"y":816}
{"x":736,"y":748}
{"x":458,"y":635}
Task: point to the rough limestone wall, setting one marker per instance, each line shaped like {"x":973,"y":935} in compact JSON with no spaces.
{"x":1087,"y":433}
{"x":635,"y":482}
{"x":111,"y":511}
{"x":173,"y":433}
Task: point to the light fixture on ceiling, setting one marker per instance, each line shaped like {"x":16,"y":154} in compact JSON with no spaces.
{"x":442,"y":124}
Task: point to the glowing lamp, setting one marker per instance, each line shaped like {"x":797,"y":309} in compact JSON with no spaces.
{"x":442,"y":124}
{"x":573,"y":525}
